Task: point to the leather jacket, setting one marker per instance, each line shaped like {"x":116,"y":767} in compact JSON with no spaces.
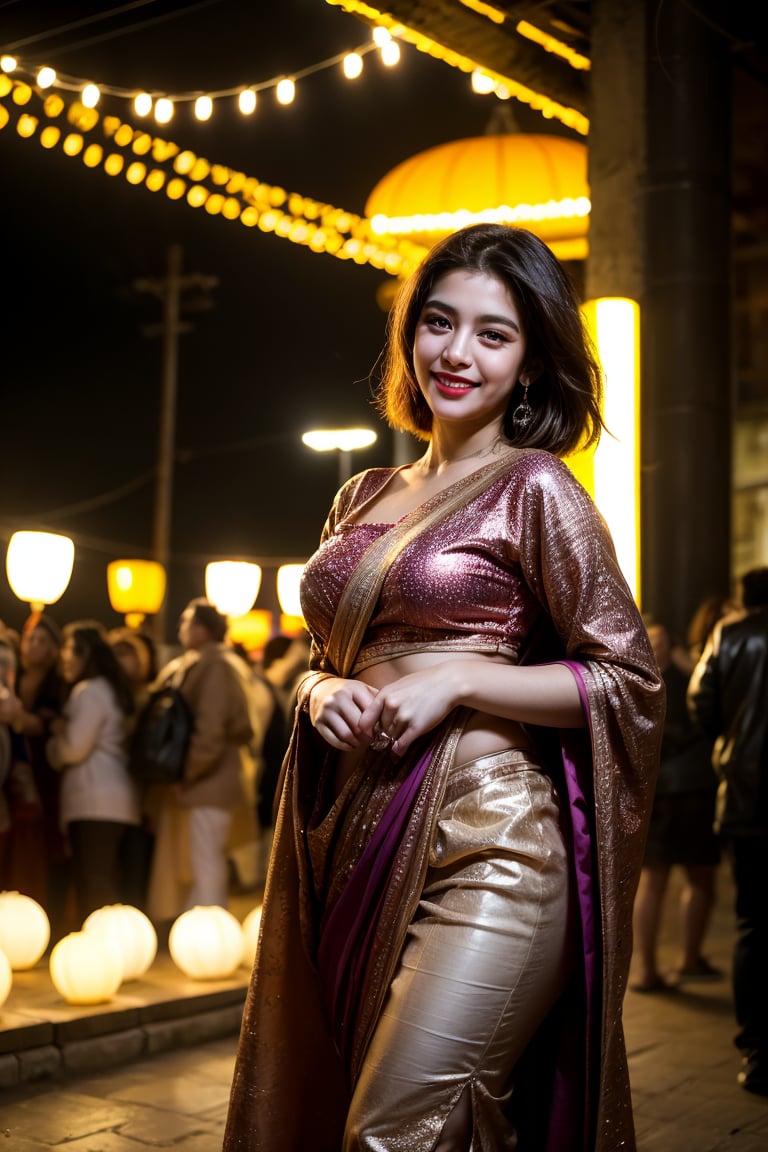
{"x":728,"y":699}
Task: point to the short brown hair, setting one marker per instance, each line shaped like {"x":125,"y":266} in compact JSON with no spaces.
{"x":208,"y":616}
{"x":566,"y":385}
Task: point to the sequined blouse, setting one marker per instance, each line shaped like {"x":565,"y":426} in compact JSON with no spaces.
{"x":473,"y":583}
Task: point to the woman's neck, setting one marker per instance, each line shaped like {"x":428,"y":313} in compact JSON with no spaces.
{"x":441,"y":455}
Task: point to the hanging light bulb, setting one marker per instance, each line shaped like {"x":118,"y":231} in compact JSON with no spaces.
{"x":381,"y":36}
{"x":482,"y":83}
{"x":164,"y":110}
{"x":46,"y":77}
{"x":286,"y":91}
{"x":353,"y":65}
{"x":8,"y":63}
{"x":90,"y":96}
{"x":246,"y":101}
{"x":142,"y":103}
{"x":203,"y":108}
{"x":390,"y":53}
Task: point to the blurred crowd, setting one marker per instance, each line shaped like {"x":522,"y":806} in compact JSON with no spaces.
{"x":77,"y":829}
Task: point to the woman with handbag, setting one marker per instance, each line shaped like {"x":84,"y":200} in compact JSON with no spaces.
{"x":446,"y":924}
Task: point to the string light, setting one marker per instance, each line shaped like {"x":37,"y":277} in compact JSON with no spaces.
{"x":218,"y":189}
{"x":163,"y":110}
{"x":550,"y":109}
{"x":285,"y":91}
{"x":246,"y":101}
{"x":233,"y":195}
{"x":203,"y":108}
{"x":90,"y":95}
{"x":384,"y":36}
{"x":352,"y":65}
{"x":482,"y":83}
{"x":142,"y":104}
{"x":390,"y":53}
{"x":163,"y":104}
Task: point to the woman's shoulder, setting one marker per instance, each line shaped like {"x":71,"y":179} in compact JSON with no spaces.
{"x":360,"y":487}
{"x":539,"y":468}
{"x":96,"y":692}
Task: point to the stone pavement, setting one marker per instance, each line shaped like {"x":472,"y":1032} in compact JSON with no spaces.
{"x":682,"y":1062}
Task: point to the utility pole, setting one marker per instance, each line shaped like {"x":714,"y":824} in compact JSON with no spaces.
{"x":169,"y":291}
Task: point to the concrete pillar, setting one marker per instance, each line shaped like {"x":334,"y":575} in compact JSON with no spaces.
{"x":686,"y":315}
{"x":616,"y":149}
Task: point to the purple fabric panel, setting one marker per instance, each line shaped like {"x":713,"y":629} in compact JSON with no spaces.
{"x":346,"y":933}
{"x":577,"y":767}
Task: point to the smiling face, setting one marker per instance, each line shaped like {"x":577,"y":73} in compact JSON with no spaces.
{"x":469,"y":349}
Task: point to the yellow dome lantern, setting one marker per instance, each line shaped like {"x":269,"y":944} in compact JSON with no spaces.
{"x":136,"y":589}
{"x":536,"y":182}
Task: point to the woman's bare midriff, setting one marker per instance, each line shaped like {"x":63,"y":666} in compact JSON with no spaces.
{"x":483,"y":734}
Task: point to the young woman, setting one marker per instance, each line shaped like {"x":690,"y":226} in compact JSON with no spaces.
{"x":99,"y":800}
{"x":446,"y":925}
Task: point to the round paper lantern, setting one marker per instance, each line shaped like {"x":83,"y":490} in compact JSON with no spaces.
{"x":24,"y":929}
{"x":86,"y":967}
{"x":206,"y":943}
{"x":133,"y":932}
{"x":6,"y":977}
{"x":251,"y":926}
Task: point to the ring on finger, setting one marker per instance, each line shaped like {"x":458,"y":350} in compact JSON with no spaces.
{"x":382,"y":741}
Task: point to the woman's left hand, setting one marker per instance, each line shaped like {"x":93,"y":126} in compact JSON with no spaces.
{"x":409,"y":707}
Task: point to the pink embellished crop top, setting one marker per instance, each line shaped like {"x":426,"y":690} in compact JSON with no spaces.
{"x":475,"y":582}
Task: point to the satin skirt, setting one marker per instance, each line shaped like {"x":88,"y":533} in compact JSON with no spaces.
{"x":485,"y":960}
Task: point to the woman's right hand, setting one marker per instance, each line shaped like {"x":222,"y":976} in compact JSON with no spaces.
{"x":335,"y":707}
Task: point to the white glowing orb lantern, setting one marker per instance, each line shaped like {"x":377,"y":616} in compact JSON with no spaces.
{"x":232,"y":585}
{"x":39,"y":566}
{"x":86,"y":967}
{"x":24,"y":930}
{"x":251,"y":926}
{"x":206,"y":943}
{"x":132,"y":931}
{"x":6,"y":978}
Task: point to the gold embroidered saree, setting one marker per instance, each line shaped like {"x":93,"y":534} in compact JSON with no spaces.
{"x":346,"y":875}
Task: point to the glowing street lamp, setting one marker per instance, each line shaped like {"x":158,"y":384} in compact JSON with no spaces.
{"x":343,"y":440}
{"x":232,"y":585}
{"x":39,"y":567}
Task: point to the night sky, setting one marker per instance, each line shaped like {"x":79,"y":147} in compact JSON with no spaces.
{"x":292,"y":336}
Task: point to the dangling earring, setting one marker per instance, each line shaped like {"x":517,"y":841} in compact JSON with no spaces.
{"x":523,"y":414}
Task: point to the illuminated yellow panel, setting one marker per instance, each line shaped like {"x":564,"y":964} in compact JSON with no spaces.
{"x":612,"y":471}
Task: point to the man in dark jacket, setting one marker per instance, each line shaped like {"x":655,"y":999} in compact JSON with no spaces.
{"x":728,"y":697}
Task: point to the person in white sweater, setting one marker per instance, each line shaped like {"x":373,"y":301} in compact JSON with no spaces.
{"x":99,"y":800}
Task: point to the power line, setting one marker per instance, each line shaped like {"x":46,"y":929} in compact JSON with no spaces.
{"x":115,"y":33}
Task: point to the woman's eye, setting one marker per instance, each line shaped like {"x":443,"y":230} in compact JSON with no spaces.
{"x":494,"y":336}
{"x":436,"y":321}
